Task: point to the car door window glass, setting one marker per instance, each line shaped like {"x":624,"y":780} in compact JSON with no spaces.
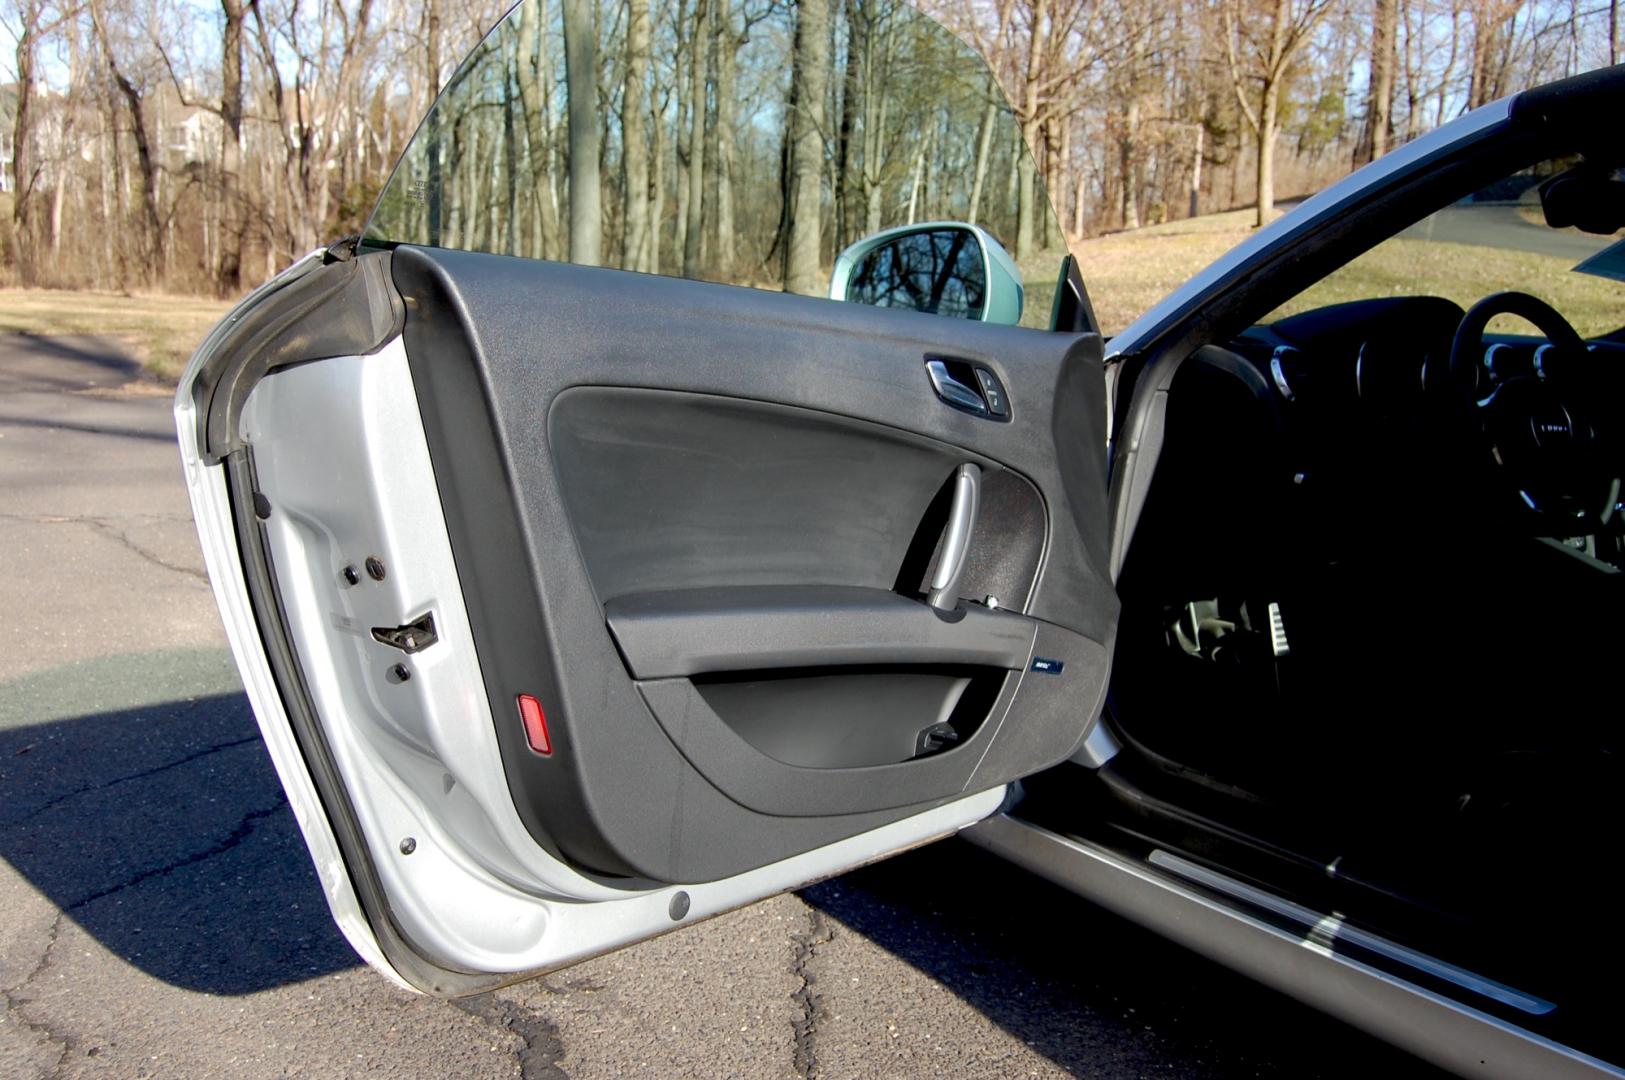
{"x":1493,"y":240}
{"x":697,"y":138}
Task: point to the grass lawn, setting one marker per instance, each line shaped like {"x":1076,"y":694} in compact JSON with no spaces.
{"x":1127,"y":272}
{"x":159,"y":331}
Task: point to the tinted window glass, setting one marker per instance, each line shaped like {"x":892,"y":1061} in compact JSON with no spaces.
{"x":742,"y":141}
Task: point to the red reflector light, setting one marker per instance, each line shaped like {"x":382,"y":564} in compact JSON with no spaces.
{"x":530,"y":711}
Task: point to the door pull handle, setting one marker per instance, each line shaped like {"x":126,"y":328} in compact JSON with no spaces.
{"x":952,"y":391}
{"x":944,"y":593}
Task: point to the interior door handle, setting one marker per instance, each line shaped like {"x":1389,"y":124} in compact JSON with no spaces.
{"x":944,"y":594}
{"x":953,"y":391}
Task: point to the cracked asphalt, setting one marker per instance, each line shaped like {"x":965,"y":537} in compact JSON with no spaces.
{"x":159,"y":915}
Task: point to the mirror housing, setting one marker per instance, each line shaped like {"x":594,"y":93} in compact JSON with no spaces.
{"x":1587,"y":199}
{"x":938,"y":267}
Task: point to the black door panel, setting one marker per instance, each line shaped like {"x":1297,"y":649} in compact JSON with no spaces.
{"x":601,"y":438}
{"x":670,"y":490}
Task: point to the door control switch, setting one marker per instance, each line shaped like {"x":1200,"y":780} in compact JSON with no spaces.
{"x":998,"y":404}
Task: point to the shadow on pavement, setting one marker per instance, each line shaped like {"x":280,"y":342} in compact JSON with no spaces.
{"x":62,"y":362}
{"x":162,"y":435}
{"x":163,"y":832}
{"x":1095,"y":994}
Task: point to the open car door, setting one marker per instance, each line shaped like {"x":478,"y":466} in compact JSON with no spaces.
{"x":578,"y":604}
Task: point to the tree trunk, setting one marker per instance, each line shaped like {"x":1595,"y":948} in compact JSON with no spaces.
{"x":657,"y":207}
{"x":1025,"y":175}
{"x":802,"y":265}
{"x":431,"y":62}
{"x":535,"y":90}
{"x":1196,"y":169}
{"x":1268,"y":119}
{"x":919,"y":177}
{"x":1128,"y":165}
{"x":984,"y":151}
{"x":581,"y":81}
{"x":635,"y":156}
{"x":1481,"y":81}
{"x":228,"y":271}
{"x":1059,"y":151}
{"x":23,"y":169}
{"x":510,"y":158}
{"x":680,"y":129}
{"x":725,"y":259}
{"x":1079,"y":196}
{"x":876,"y":105}
{"x":1379,"y":122}
{"x":1026,"y":217}
{"x":693,"y":231}
{"x":851,"y":90}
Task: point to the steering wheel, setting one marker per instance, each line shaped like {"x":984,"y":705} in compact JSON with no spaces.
{"x":1537,"y":433}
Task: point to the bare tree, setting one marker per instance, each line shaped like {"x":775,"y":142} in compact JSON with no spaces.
{"x":581,"y":76}
{"x":635,"y":155}
{"x":694,"y":178}
{"x":25,"y":169}
{"x":146,"y":162}
{"x":802,"y":270}
{"x":1262,"y":38}
{"x":1379,"y":119}
{"x":229,"y":269}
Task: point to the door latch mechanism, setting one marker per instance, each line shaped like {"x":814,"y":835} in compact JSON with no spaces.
{"x":412,"y":637}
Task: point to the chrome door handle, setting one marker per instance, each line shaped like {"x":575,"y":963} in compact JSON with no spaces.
{"x":944,"y":594}
{"x":953,"y":391}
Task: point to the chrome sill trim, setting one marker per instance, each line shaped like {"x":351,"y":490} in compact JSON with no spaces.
{"x":1328,"y":929}
{"x":1423,"y":1022}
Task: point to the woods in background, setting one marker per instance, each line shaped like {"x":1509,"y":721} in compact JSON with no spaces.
{"x":192,"y":146}
{"x":744,"y":142}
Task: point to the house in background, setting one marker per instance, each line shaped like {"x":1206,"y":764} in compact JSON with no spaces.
{"x":8,"y":115}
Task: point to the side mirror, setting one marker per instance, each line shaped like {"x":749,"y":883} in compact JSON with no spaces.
{"x":941,"y":268}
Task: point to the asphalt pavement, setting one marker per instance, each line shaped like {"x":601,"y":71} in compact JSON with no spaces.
{"x":159,"y":915}
{"x":1505,"y":226}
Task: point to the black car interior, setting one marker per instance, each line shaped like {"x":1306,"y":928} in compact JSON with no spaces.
{"x":1371,"y":627}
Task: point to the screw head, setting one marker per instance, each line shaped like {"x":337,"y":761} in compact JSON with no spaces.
{"x":350,"y":575}
{"x":375,"y":568}
{"x":400,"y":672}
{"x":679,"y":906}
{"x":409,"y":845}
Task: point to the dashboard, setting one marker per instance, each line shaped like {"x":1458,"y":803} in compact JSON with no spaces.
{"x":1406,"y":404}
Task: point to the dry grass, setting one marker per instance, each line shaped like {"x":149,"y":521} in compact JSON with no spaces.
{"x":159,"y":331}
{"x":1128,"y":272}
